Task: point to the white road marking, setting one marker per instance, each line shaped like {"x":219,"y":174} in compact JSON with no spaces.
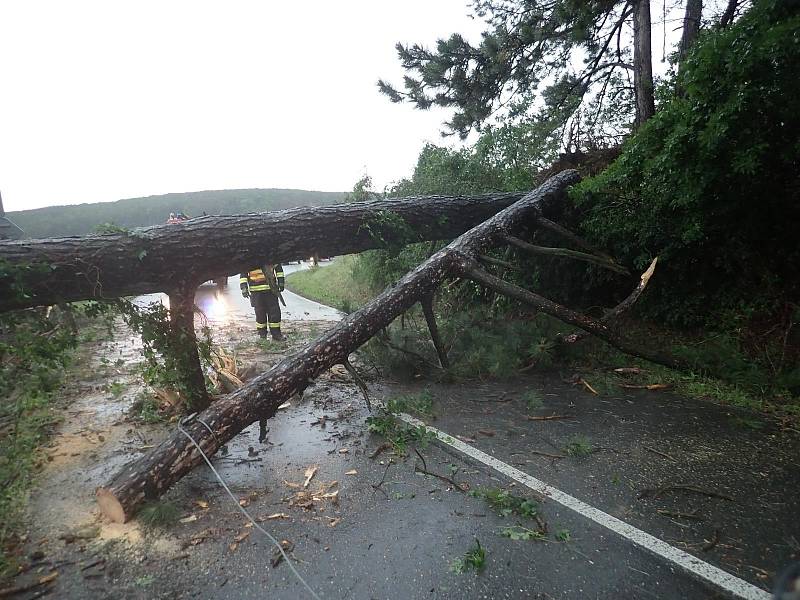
{"x":722,"y":579}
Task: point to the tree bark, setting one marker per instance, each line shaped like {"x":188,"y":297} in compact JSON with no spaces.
{"x":191,"y":381}
{"x":150,"y":476}
{"x":691,"y":28}
{"x":159,"y":258}
{"x":643,"y":62}
{"x":728,"y":14}
{"x":430,"y":319}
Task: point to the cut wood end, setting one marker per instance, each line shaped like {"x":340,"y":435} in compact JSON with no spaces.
{"x":650,"y":270}
{"x":110,"y":506}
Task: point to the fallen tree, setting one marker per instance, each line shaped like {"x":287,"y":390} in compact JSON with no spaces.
{"x":151,"y":475}
{"x":166,"y":258}
{"x":176,"y":258}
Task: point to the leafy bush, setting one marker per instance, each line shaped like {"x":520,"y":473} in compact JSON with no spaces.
{"x":710,"y":184}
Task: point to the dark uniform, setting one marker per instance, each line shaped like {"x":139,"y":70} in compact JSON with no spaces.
{"x":264,"y":299}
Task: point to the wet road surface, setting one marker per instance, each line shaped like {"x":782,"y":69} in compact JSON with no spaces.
{"x":393,"y":532}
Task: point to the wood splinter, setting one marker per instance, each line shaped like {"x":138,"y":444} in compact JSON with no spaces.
{"x":359,"y":382}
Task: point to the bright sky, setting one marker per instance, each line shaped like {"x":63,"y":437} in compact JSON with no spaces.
{"x":106,"y":100}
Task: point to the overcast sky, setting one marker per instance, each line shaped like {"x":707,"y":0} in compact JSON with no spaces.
{"x":107,"y":100}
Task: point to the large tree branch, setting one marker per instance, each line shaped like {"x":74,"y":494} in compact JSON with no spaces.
{"x":472,"y":269}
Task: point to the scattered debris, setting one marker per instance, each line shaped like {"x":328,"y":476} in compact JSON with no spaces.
{"x":487,"y":432}
{"x":548,"y":417}
{"x":309,"y":474}
{"x":660,"y":491}
{"x":547,"y":454}
{"x":277,"y":555}
{"x":713,"y":541}
{"x":664,"y":454}
{"x":306,"y":499}
{"x":629,"y":371}
{"x":383,"y":447}
{"x":13,"y":591}
{"x":238,"y":540}
{"x":588,"y":387}
{"x":274,"y":516}
{"x":189,"y":519}
{"x":351,"y":472}
{"x":652,"y":386}
{"x":680,"y":515}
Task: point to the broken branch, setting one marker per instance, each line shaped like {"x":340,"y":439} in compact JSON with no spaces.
{"x":567,"y":253}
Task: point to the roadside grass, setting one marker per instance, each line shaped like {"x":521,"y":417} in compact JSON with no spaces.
{"x":724,"y":374}
{"x":332,"y":285}
{"x":28,"y":413}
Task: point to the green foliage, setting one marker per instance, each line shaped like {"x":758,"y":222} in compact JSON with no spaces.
{"x":526,"y":44}
{"x":579,"y":446}
{"x":563,"y":535}
{"x":398,"y":434}
{"x":166,"y":354}
{"x":112,"y":227}
{"x":533,"y":400}
{"x":710,"y":184}
{"x":145,"y":407}
{"x":362,"y":191}
{"x":420,"y":404}
{"x":35,"y":349}
{"x":474,"y":558}
{"x":159,"y":514}
{"x":518,"y":532}
{"x":506,"y":504}
{"x":115,"y":388}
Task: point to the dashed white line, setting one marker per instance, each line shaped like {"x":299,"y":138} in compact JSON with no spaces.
{"x":735,"y":586}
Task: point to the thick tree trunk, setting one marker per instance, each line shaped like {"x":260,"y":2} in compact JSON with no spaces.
{"x":151,"y":475}
{"x":157,"y":259}
{"x":643,"y":62}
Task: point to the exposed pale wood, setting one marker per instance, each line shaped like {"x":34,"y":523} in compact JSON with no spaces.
{"x":619,"y":308}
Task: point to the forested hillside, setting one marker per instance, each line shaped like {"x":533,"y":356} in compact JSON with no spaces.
{"x":152,"y":210}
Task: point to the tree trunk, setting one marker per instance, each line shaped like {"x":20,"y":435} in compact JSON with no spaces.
{"x":191,"y":381}
{"x":728,"y":14}
{"x":150,"y":476}
{"x":642,"y":62}
{"x":691,"y":27}
{"x":154,"y":259}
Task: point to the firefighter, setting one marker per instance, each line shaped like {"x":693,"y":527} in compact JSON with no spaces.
{"x":255,"y":284}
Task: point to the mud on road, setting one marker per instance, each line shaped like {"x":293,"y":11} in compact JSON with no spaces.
{"x":371,"y":524}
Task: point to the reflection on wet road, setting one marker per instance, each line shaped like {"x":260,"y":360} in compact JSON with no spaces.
{"x":221,"y":307}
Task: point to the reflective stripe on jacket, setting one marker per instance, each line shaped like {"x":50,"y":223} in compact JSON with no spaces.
{"x":257,"y":281}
